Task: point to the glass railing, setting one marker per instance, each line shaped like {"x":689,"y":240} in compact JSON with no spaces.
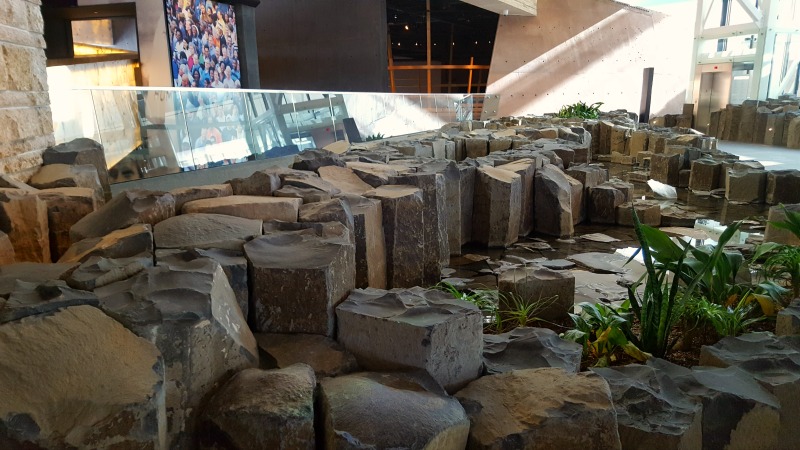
{"x":149,"y":132}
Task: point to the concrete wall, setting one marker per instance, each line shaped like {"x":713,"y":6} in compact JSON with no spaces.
{"x":591,"y":50}
{"x":153,"y":48}
{"x":26,"y":125}
{"x":323,"y":45}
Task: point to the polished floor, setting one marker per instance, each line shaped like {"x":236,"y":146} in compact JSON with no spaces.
{"x":773,"y":158}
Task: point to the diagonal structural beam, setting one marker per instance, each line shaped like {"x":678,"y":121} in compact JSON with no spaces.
{"x":506,"y":7}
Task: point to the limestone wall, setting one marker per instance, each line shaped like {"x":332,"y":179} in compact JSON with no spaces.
{"x":591,"y":50}
{"x":26,"y":125}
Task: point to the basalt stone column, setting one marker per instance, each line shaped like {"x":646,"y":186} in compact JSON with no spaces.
{"x":187,"y":194}
{"x":298,"y":278}
{"x":454,"y":183}
{"x":526,"y":169}
{"x":774,"y":132}
{"x":468,"y":175}
{"x":666,"y":168}
{"x":413,"y":328}
{"x":553,"y":203}
{"x":81,"y":151}
{"x":497,"y":207}
{"x":125,"y":209}
{"x":553,"y":292}
{"x":746,"y":185}
{"x":747,"y":122}
{"x":602,"y":204}
{"x":369,"y":241}
{"x":23,"y":217}
{"x":705,"y":175}
{"x":65,"y":207}
{"x":792,"y":133}
{"x":783,"y":186}
{"x":403,"y":226}
{"x":189,"y":312}
{"x":760,"y":130}
{"x":476,"y":147}
{"x":437,"y":248}
{"x":779,"y":235}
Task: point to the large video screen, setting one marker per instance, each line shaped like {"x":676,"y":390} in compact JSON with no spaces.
{"x":203,"y":44}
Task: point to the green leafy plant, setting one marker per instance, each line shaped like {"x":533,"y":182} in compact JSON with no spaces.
{"x":487,"y":300}
{"x":727,"y":320}
{"x":783,"y":261}
{"x":600,"y":330}
{"x":516,"y":311}
{"x":375,"y":137}
{"x":670,"y":276}
{"x":581,"y":110}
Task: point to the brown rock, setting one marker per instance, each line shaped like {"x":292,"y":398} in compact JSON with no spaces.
{"x":113,"y":396}
{"x":344,"y":179}
{"x":649,"y":212}
{"x":551,"y":292}
{"x":262,"y":409}
{"x":126,"y":209}
{"x":24,"y":219}
{"x":369,"y":241}
{"x":308,"y":195}
{"x":248,"y":207}
{"x":540,"y":409}
{"x":188,"y":194}
{"x":199,"y":230}
{"x":65,"y":207}
{"x":6,"y":250}
{"x":81,"y":151}
{"x":325,"y":356}
{"x":62,"y":175}
{"x":131,"y":241}
{"x":553,"y":204}
{"x":497,"y":207}
{"x":526,"y":169}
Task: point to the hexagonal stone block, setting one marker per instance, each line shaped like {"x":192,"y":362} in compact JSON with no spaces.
{"x":553,"y":292}
{"x":497,"y":206}
{"x":419,"y":328}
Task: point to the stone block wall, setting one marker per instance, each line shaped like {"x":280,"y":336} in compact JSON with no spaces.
{"x":26,"y":124}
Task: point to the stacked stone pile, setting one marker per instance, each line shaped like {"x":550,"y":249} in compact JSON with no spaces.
{"x":772,"y":122}
{"x":292,"y":309}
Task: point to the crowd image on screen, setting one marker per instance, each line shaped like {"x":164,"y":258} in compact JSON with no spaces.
{"x":203,"y":44}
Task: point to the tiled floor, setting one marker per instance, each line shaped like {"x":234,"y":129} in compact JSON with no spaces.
{"x":771,"y":157}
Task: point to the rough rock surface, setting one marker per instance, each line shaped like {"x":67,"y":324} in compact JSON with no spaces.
{"x":188,"y":194}
{"x":62,"y":176}
{"x":529,"y":348}
{"x":788,"y":321}
{"x":65,"y":207}
{"x":344,"y":179}
{"x":81,"y":151}
{"x":262,"y":409}
{"x":31,"y":272}
{"x":97,"y":384}
{"x":6,"y":250}
{"x":312,"y":160}
{"x":369,"y":241}
{"x":553,"y":202}
{"x":434,"y":234}
{"x":98,"y":271}
{"x":651,"y":412}
{"x":233,"y":263}
{"x":30,"y":299}
{"x":327,"y":357}
{"x":497,"y":207}
{"x":308,"y":195}
{"x":124,"y":243}
{"x":299,"y":277}
{"x":402,"y":208}
{"x":413,"y":328}
{"x":248,"y":207}
{"x":190,"y":313}
{"x":540,"y":409}
{"x":262,"y":182}
{"x":551,"y":292}
{"x":357,"y":408}
{"x":23,"y":217}
{"x":126,"y":209}
{"x":205,"y":231}
{"x":737,"y":412}
{"x":525,"y":168}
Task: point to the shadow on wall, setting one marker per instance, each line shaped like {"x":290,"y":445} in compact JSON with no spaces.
{"x":588,"y":50}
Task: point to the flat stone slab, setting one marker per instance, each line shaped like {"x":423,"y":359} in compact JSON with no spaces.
{"x":416,"y":327}
{"x":98,"y":271}
{"x":344,"y":179}
{"x":188,"y":194}
{"x":205,"y":231}
{"x":601,"y":262}
{"x":325,"y":356}
{"x":127,"y":208}
{"x":248,"y":207}
{"x":358,"y":407}
{"x":529,"y":348}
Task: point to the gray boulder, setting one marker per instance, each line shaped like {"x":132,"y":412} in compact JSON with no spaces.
{"x":529,"y":348}
{"x":326,"y":356}
{"x":127,"y":208}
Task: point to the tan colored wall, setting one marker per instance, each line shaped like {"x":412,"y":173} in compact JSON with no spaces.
{"x":591,"y":50}
{"x":26,"y":126}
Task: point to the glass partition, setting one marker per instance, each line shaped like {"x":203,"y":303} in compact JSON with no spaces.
{"x":148,"y":132}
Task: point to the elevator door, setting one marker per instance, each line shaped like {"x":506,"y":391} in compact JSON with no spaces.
{"x":713,"y":96}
